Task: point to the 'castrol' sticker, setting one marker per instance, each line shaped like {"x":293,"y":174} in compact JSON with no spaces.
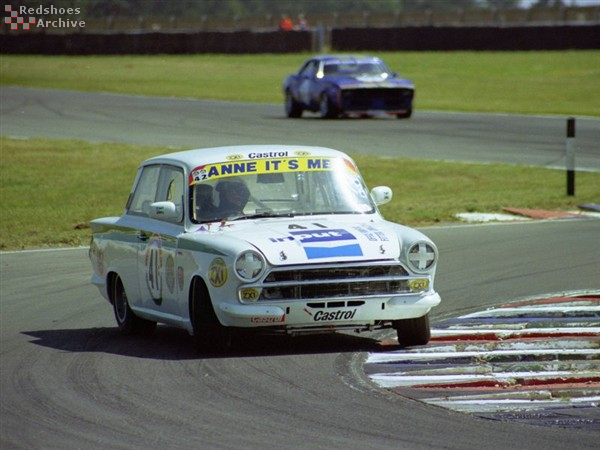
{"x":322,"y":316}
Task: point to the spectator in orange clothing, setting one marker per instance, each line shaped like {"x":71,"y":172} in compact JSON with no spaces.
{"x":285,"y":24}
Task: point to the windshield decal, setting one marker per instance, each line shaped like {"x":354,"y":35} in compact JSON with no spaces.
{"x":264,"y":166}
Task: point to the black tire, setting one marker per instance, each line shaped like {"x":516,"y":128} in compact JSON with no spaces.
{"x":209,"y":335}
{"x":406,"y":115}
{"x":326,"y":108}
{"x":413,"y":331}
{"x":293,"y":109}
{"x":126,"y":319}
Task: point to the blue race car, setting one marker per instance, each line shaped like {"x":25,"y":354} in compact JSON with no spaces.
{"x":347,"y":85}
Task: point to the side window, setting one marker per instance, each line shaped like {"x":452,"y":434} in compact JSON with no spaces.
{"x":170,"y":188}
{"x":302,"y":71}
{"x":309,"y":69}
{"x":157,"y":183}
{"x":145,"y":191}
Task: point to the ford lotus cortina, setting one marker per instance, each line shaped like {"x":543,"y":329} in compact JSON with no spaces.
{"x":347,"y":85}
{"x":270,"y":238}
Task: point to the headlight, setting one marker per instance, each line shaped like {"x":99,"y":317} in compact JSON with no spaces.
{"x":421,"y":256}
{"x":249,"y":265}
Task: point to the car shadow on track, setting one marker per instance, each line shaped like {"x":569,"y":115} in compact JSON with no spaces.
{"x":170,"y":343}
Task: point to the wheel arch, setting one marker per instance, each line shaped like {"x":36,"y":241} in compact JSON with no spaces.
{"x":198,"y":287}
{"x":196,"y":283}
{"x":209,"y":334}
{"x":111,"y":278}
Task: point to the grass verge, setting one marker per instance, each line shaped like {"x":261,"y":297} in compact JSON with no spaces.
{"x":550,"y":82}
{"x":50,"y":190}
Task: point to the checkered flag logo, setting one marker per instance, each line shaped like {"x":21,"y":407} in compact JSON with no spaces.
{"x":14,"y":20}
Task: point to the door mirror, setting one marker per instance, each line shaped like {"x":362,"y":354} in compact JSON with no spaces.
{"x":381,"y":195}
{"x":164,"y":211}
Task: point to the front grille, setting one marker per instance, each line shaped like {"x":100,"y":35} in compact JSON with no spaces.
{"x":387,"y":99}
{"x":335,"y":282}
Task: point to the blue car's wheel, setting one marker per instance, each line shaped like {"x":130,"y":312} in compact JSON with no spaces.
{"x":293,"y":109}
{"x":405,"y":115}
{"x":327,"y":109}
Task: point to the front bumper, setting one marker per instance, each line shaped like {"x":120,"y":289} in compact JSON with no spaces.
{"x":390,"y":100}
{"x":329,"y":314}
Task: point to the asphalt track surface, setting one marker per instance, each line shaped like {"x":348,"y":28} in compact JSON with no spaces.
{"x":187,"y":123}
{"x":69,"y":380}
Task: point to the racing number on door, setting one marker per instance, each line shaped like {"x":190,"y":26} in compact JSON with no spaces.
{"x":154,"y":268}
{"x":153,"y":276}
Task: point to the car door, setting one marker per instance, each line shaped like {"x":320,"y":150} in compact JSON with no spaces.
{"x":157,"y":238}
{"x":307,"y":81}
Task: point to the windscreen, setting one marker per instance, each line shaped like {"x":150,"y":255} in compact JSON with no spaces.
{"x":351,"y":68}
{"x":277,"y":187}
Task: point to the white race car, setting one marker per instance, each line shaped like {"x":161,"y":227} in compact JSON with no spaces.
{"x":267,"y":238}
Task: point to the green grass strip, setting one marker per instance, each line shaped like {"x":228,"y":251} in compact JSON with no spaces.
{"x":50,"y":190}
{"x":545,"y":82}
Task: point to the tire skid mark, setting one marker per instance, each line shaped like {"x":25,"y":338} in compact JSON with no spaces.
{"x":535,"y":361}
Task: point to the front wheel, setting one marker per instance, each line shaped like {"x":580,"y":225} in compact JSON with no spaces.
{"x":413,"y":331}
{"x":126,"y":319}
{"x":327,"y":110}
{"x":209,"y":335}
{"x":405,"y":115}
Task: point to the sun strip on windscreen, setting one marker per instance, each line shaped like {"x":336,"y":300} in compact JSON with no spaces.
{"x":210,"y":172}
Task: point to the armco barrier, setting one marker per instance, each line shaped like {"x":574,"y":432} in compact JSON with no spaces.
{"x":156,"y":43}
{"x":341,"y":40}
{"x":467,"y":38}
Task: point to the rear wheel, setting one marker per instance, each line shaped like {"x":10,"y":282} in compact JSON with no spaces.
{"x":293,"y":109}
{"x":413,"y":331}
{"x":209,"y":334}
{"x":127,"y":321}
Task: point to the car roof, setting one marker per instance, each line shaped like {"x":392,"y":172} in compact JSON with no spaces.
{"x":201,"y":156}
{"x":336,"y":59}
